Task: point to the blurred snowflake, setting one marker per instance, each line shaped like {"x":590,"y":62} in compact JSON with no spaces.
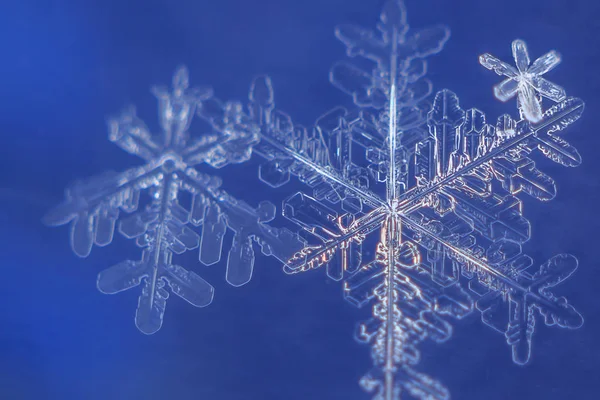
{"x":163,"y":227}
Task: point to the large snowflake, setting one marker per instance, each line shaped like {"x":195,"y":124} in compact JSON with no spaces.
{"x":431,"y":188}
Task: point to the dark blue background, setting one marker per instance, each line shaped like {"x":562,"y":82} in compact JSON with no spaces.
{"x":66,"y":65}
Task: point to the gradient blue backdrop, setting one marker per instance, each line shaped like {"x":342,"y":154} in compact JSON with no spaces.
{"x":66,"y":65}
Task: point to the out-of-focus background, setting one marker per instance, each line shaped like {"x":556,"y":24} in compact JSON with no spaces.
{"x":66,"y":65}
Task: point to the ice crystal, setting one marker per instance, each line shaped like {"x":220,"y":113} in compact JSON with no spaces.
{"x":430,"y":186}
{"x":164,"y":227}
{"x":525,"y":80}
{"x":448,"y":222}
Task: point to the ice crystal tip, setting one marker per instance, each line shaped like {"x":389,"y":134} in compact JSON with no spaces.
{"x":181,"y":78}
{"x":393,"y":17}
{"x":436,"y":187}
{"x":261,"y":91}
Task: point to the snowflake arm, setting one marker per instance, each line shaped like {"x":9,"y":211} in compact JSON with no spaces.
{"x":176,"y":108}
{"x":505,"y":270}
{"x":395,"y":85}
{"x":161,"y":229}
{"x":506,"y":138}
{"x":131,"y":134}
{"x":292,"y":150}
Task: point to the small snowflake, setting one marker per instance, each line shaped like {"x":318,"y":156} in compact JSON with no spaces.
{"x":526,"y":79}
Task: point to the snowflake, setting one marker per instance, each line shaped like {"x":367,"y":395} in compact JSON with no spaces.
{"x":525,"y":80}
{"x":431,"y":188}
{"x":435,"y":185}
{"x":162,"y":228}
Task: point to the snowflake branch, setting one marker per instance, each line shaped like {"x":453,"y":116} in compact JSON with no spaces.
{"x":556,"y":118}
{"x":100,"y":200}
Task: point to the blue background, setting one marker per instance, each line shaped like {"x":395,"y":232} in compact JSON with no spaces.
{"x":66,"y":65}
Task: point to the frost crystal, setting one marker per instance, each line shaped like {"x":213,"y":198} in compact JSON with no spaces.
{"x":430,"y":188}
